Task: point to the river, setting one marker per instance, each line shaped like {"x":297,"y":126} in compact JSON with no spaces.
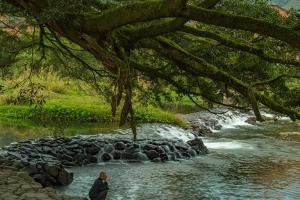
{"x":245,"y":162}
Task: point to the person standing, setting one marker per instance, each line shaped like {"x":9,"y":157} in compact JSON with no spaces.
{"x":100,"y":188}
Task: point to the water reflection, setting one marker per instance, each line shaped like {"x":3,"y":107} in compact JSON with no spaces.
{"x":16,"y":132}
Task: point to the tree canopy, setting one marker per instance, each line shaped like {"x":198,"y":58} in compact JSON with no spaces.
{"x":211,"y":49}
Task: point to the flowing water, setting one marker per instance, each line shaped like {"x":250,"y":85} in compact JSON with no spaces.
{"x":245,"y":162}
{"x":287,"y":3}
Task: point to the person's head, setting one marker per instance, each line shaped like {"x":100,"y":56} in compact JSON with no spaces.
{"x":103,"y":176}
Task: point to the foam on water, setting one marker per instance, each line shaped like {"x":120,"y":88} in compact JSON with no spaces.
{"x":228,"y":145}
{"x":232,"y":120}
{"x":176,"y":133}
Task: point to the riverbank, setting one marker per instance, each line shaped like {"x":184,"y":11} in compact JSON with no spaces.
{"x":18,"y":185}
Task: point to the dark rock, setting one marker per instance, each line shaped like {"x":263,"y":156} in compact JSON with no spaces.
{"x":160,"y":150}
{"x":128,"y":156}
{"x":106,"y":157}
{"x":182,"y":146}
{"x":93,"y":159}
{"x":46,"y":149}
{"x":117,"y":155}
{"x":39,"y":178}
{"x":152,"y":154}
{"x":164,"y":157}
{"x":203,"y":130}
{"x":119,"y":146}
{"x":185,"y":154}
{"x":149,"y":147}
{"x":67,"y":157}
{"x":251,"y":120}
{"x":156,"y":160}
{"x":93,"y":150}
{"x":64,"y":177}
{"x":52,"y":170}
{"x":198,"y":145}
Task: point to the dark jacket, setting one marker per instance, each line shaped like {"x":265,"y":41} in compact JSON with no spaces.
{"x":98,"y":187}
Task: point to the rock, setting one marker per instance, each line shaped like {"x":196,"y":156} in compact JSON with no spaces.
{"x":17,"y":185}
{"x":182,"y":146}
{"x":198,"y":145}
{"x":291,"y":136}
{"x":40,"y":178}
{"x":93,"y":159}
{"x":164,"y":157}
{"x":149,"y":147}
{"x":106,"y":157}
{"x":185,"y":154}
{"x":52,"y":170}
{"x":251,"y":120}
{"x":152,"y":154}
{"x":156,"y":160}
{"x":64,"y":177}
{"x":117,"y":155}
{"x":141,"y":156}
{"x":160,"y":150}
{"x":119,"y":146}
{"x":93,"y":150}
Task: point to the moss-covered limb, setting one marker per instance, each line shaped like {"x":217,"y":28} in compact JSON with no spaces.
{"x":129,"y":14}
{"x":274,"y":79}
{"x":133,"y":33}
{"x":262,"y":27}
{"x":238,"y":46}
{"x":110,"y":19}
{"x":209,"y":4}
{"x":199,"y":67}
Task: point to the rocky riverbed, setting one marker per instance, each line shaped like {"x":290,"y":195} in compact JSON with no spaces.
{"x":46,"y":160}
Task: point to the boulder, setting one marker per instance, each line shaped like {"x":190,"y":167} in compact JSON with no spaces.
{"x":52,"y":170}
{"x":106,"y":157}
{"x":64,"y":177}
{"x":93,"y":150}
{"x":251,"y":120}
{"x":198,"y":145}
{"x":119,"y":146}
{"x":152,"y":154}
{"x":117,"y":155}
{"x":182,"y":146}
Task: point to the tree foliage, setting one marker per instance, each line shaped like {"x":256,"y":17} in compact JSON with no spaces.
{"x":211,"y":48}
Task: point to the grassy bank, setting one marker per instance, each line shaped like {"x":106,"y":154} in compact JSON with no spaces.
{"x":69,"y":103}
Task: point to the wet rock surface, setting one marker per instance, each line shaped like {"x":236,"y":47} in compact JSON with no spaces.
{"x":18,"y":185}
{"x":46,"y":160}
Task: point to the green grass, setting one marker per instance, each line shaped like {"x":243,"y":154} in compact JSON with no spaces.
{"x":70,"y":102}
{"x":72,"y":109}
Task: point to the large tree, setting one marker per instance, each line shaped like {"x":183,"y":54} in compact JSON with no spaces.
{"x":198,"y":47}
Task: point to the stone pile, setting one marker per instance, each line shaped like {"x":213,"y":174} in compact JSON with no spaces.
{"x":46,"y":159}
{"x":18,"y":185}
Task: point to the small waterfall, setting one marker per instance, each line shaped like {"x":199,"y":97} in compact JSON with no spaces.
{"x":233,"y":120}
